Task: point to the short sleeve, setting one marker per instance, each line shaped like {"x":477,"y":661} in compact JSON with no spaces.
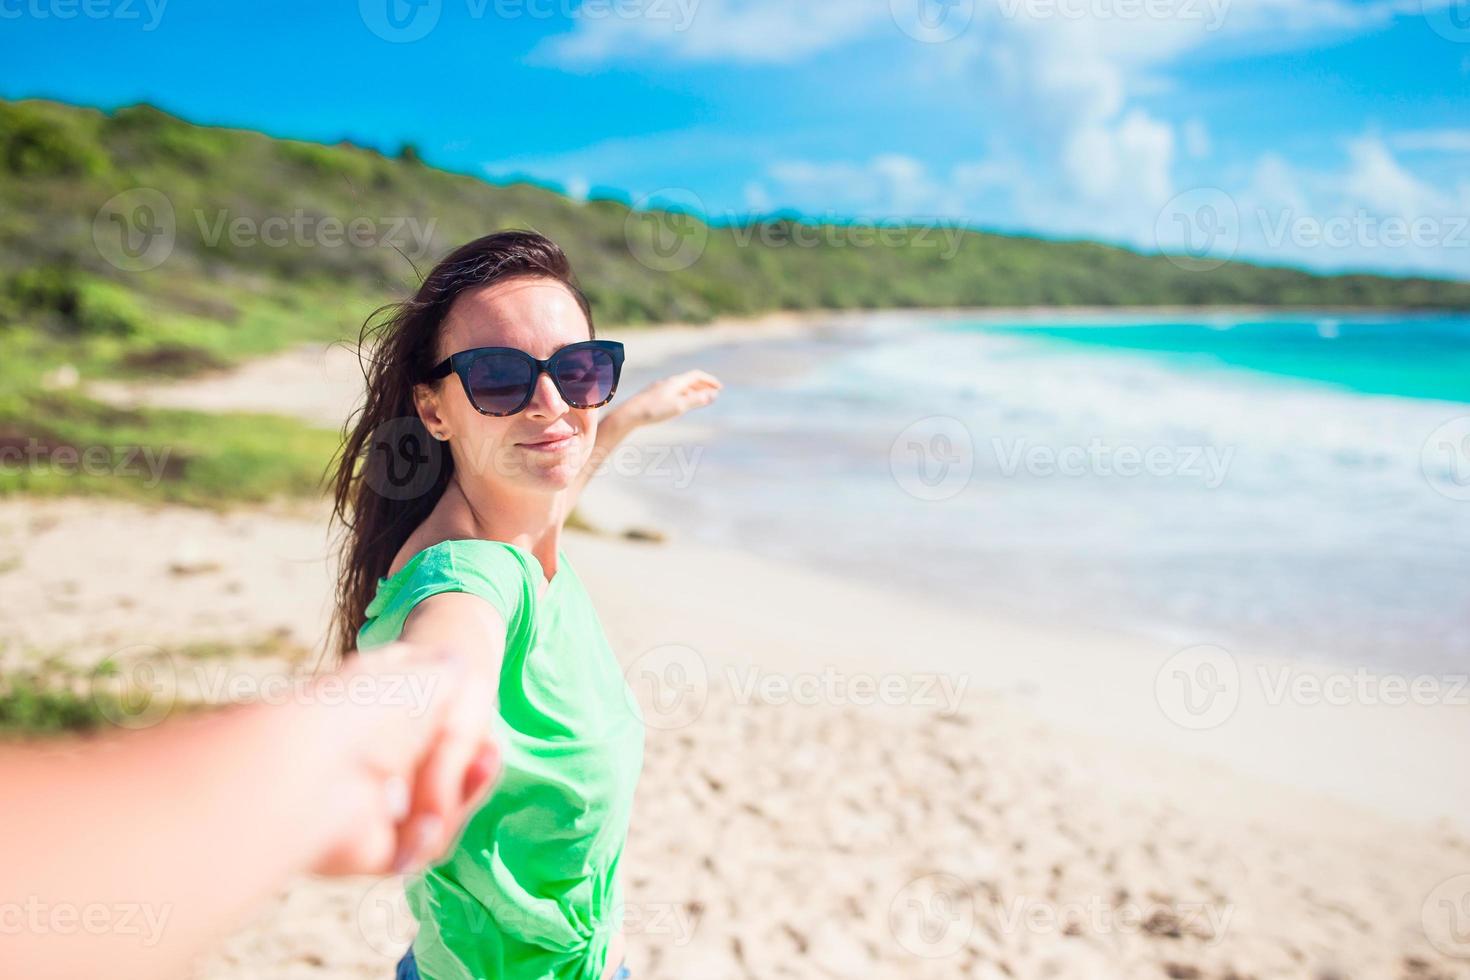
{"x":492,"y":570}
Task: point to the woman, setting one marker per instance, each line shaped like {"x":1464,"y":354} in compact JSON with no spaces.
{"x":487,"y":390}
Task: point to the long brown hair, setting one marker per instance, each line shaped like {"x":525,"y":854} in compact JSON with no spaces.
{"x":390,"y":473}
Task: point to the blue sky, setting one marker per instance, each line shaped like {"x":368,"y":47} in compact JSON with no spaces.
{"x":1325,"y":133}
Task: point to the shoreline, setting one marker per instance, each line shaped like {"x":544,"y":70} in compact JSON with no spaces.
{"x":781,"y":321}
{"x":324,"y":380}
{"x":1370,"y":755}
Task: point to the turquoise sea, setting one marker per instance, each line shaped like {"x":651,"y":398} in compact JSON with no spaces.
{"x":1292,"y":484}
{"x":1422,"y":356}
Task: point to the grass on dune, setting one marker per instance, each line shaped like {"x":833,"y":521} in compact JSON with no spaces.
{"x":55,"y":440}
{"x":55,"y":444}
{"x":50,"y":696}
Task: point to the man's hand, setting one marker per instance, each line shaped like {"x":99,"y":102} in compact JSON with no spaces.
{"x":423,"y":768}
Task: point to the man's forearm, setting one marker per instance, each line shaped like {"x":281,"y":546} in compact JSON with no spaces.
{"x":179,"y":830}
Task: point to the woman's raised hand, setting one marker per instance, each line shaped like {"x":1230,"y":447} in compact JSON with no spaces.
{"x":671,"y":397}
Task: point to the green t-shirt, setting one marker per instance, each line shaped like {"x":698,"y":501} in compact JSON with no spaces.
{"x":532,"y":889}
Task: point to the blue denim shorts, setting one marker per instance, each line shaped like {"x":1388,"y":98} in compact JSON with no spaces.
{"x":408,"y":969}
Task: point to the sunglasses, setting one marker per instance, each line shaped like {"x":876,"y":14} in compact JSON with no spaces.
{"x":502,"y":380}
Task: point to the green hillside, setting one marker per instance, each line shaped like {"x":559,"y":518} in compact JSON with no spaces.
{"x":136,"y":244}
{"x":64,"y":163}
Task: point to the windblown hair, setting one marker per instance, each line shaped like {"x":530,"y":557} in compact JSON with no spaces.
{"x":390,"y":473}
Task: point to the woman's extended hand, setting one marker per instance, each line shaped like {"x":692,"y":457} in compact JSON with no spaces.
{"x":671,"y":397}
{"x":660,"y":401}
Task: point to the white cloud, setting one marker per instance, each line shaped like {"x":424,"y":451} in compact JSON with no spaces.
{"x":742,"y":31}
{"x":785,"y":31}
{"x":887,"y":186}
{"x":1433,"y":140}
{"x":1130,"y":159}
{"x":757,"y":198}
{"x":1196,"y":139}
{"x":1378,"y":182}
{"x":577,"y":187}
{"x":1369,"y":212}
{"x":1059,"y":85}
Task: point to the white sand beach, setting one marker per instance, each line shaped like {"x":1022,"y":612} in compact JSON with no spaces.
{"x":844,"y":780}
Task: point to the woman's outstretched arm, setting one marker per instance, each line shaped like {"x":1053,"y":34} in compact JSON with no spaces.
{"x":660,"y":401}
{"x":128,"y":855}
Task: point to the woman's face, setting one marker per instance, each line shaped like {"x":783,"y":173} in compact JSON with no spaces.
{"x":538,"y":316}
